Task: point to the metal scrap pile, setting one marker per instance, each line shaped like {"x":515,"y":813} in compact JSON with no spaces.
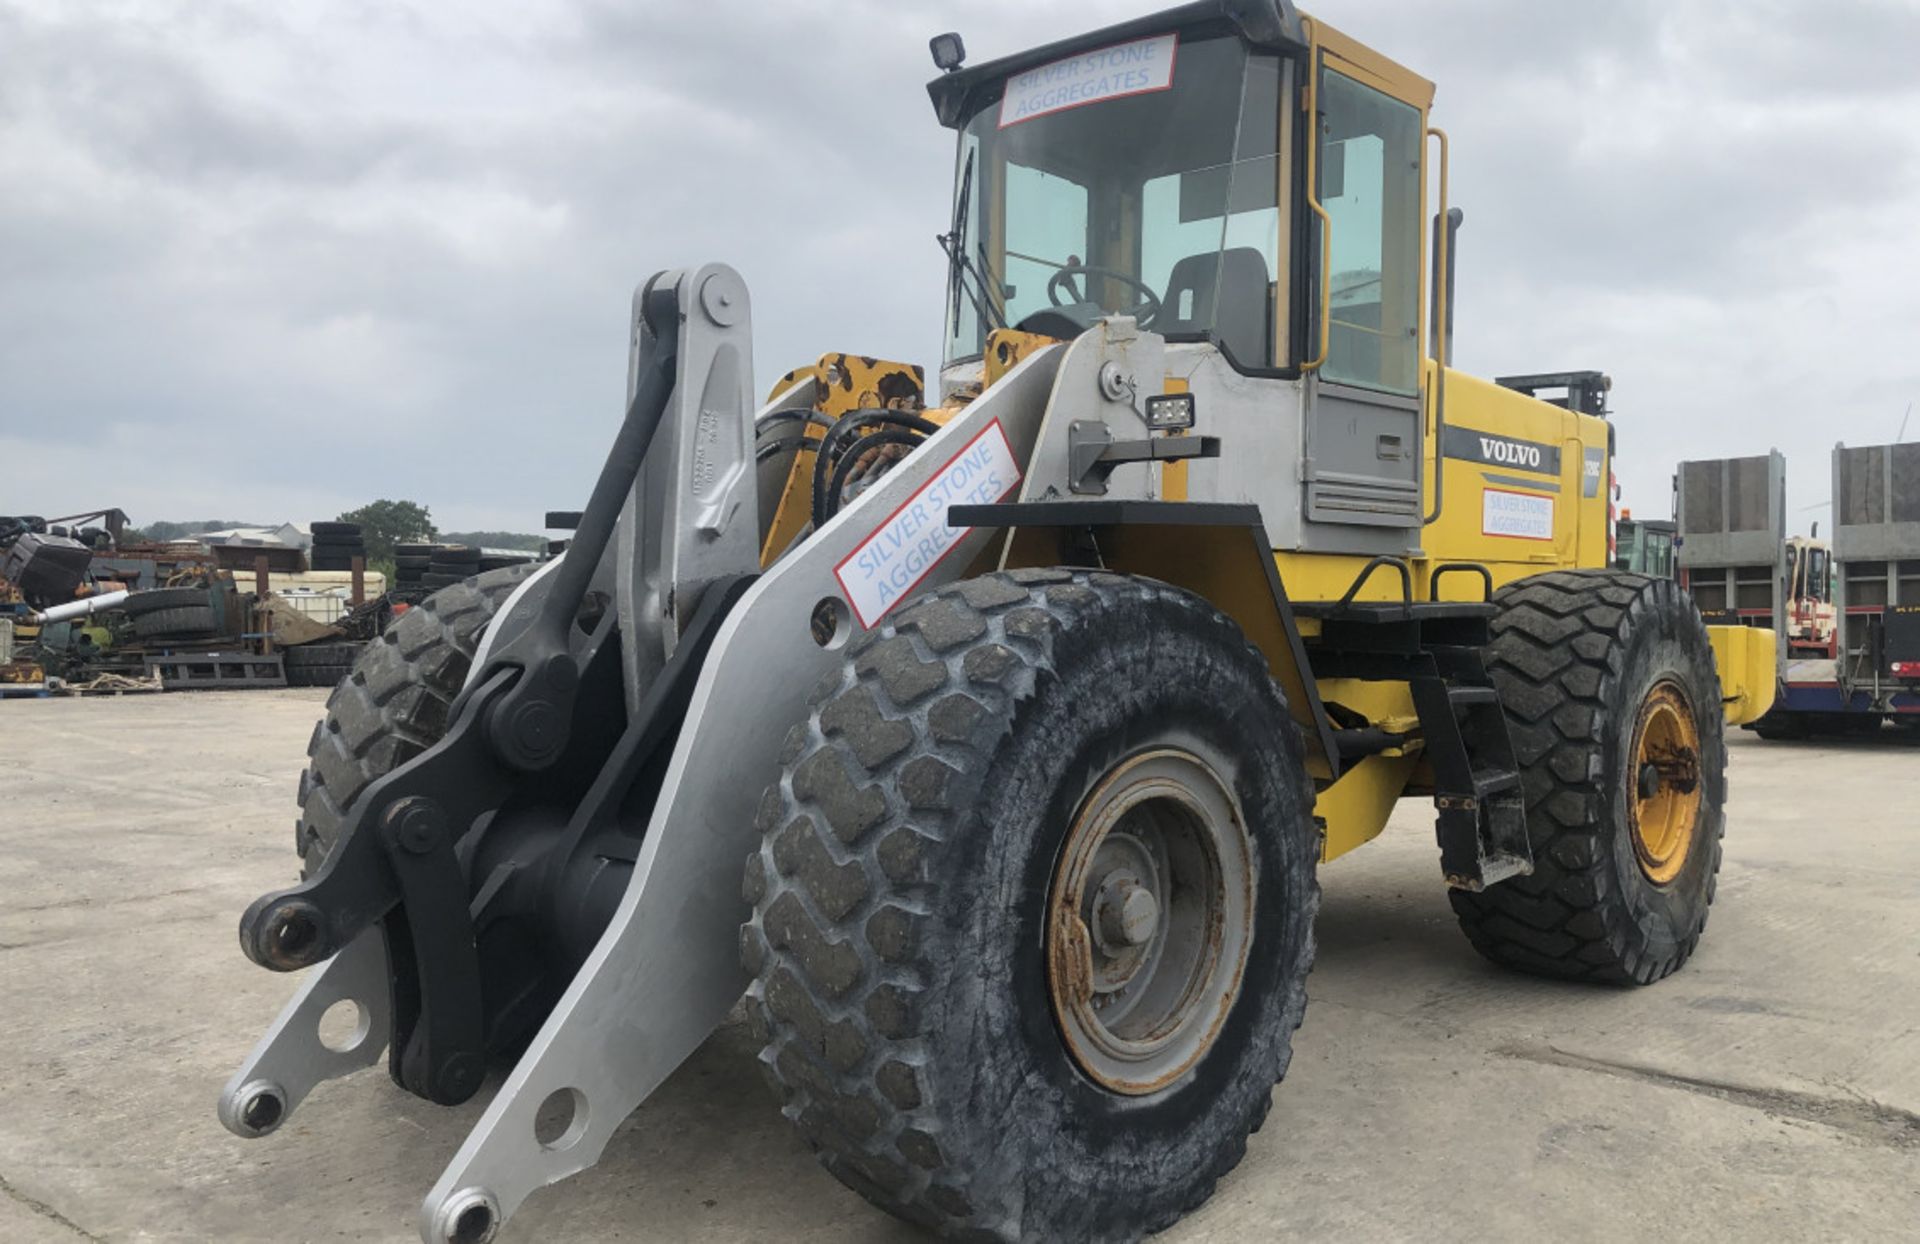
{"x":85,"y":610}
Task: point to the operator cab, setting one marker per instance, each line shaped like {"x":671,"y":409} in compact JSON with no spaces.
{"x":1251,"y":187}
{"x":1161,"y":203}
{"x":1809,"y":570}
{"x":1149,"y":170}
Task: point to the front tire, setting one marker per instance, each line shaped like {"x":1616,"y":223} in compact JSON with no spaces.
{"x":1613,"y":702}
{"x":947,"y":881}
{"x":391,"y":703}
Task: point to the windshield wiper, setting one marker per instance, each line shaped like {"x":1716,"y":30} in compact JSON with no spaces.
{"x":996,"y":292}
{"x":960,"y":265}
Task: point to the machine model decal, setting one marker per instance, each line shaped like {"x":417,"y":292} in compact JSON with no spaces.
{"x":1523,"y":515}
{"x":884,"y":569}
{"x":1109,"y":73}
{"x":1473,"y":445}
{"x":1596,"y":471}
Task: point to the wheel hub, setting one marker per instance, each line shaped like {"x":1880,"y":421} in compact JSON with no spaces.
{"x":1149,"y":921}
{"x":1126,"y":911}
{"x":1665,"y":812}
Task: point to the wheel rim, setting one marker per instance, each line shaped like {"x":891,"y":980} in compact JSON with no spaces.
{"x":1665,"y":777}
{"x":1149,"y":921}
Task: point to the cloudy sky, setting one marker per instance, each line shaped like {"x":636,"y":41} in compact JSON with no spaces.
{"x":269,"y":260}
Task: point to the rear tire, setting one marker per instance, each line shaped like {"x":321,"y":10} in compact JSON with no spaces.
{"x":913,"y":976}
{"x":1586,"y":661}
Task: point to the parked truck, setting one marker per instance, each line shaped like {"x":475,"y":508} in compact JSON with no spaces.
{"x":1848,"y":610}
{"x":1876,"y":591}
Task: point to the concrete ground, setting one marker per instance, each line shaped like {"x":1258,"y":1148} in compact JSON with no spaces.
{"x":1767,"y":1092}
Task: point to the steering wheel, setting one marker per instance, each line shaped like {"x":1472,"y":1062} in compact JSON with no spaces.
{"x":1061,"y":293}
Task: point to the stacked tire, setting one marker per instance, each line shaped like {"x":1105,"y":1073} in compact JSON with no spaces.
{"x":410,"y":565}
{"x":319,"y":664}
{"x":172,"y":613}
{"x":450,"y":564}
{"x":500,"y":561}
{"x":561,"y":520}
{"x":335,"y":545}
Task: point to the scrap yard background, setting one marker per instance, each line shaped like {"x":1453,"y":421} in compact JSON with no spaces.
{"x":90,"y":604}
{"x":1768,"y":1091}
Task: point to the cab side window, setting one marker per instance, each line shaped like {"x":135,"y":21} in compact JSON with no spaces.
{"x":1369,"y":184}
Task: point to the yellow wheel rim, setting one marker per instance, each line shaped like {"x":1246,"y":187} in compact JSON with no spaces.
{"x":1665,"y":780}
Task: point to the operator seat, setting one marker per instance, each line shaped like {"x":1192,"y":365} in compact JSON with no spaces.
{"x":1243,"y":322}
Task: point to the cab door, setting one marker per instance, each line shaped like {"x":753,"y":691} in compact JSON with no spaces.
{"x":1365,"y":411}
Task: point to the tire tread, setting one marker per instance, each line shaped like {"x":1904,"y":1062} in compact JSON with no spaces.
{"x":838,"y":903}
{"x":1556,"y":657}
{"x":392,"y":702}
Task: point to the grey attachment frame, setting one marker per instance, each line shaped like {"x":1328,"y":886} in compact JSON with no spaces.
{"x":693,"y":514}
{"x":715,"y":370}
{"x":666,"y":971}
{"x":290,"y":1059}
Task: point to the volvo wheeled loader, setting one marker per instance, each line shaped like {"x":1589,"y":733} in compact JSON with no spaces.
{"x":986,"y":733}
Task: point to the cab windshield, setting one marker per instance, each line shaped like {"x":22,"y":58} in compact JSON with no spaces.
{"x":1080,"y":192}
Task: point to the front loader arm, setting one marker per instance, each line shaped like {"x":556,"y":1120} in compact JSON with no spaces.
{"x":667,"y":970}
{"x":723,"y":668}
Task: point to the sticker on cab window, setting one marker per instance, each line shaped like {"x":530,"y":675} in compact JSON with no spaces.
{"x":1115,"y":72}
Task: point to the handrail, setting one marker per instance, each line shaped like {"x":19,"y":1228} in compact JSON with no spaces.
{"x":1313,"y":197}
{"x":1447,"y":568}
{"x":1326,"y":282}
{"x":1442,"y":294}
{"x":1366,"y":572}
{"x":1438,"y":350}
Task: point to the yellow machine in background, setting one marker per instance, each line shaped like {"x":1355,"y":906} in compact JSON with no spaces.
{"x":988,"y":729}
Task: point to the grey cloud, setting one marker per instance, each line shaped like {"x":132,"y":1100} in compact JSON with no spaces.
{"x":385,"y":248}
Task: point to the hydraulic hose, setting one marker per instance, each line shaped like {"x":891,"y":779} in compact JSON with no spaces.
{"x":833,"y":446}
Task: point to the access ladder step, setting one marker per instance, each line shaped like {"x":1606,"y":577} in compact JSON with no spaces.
{"x":1500,"y":866}
{"x":1482,"y":823}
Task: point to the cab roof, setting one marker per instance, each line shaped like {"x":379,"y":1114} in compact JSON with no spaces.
{"x":1271,"y":25}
